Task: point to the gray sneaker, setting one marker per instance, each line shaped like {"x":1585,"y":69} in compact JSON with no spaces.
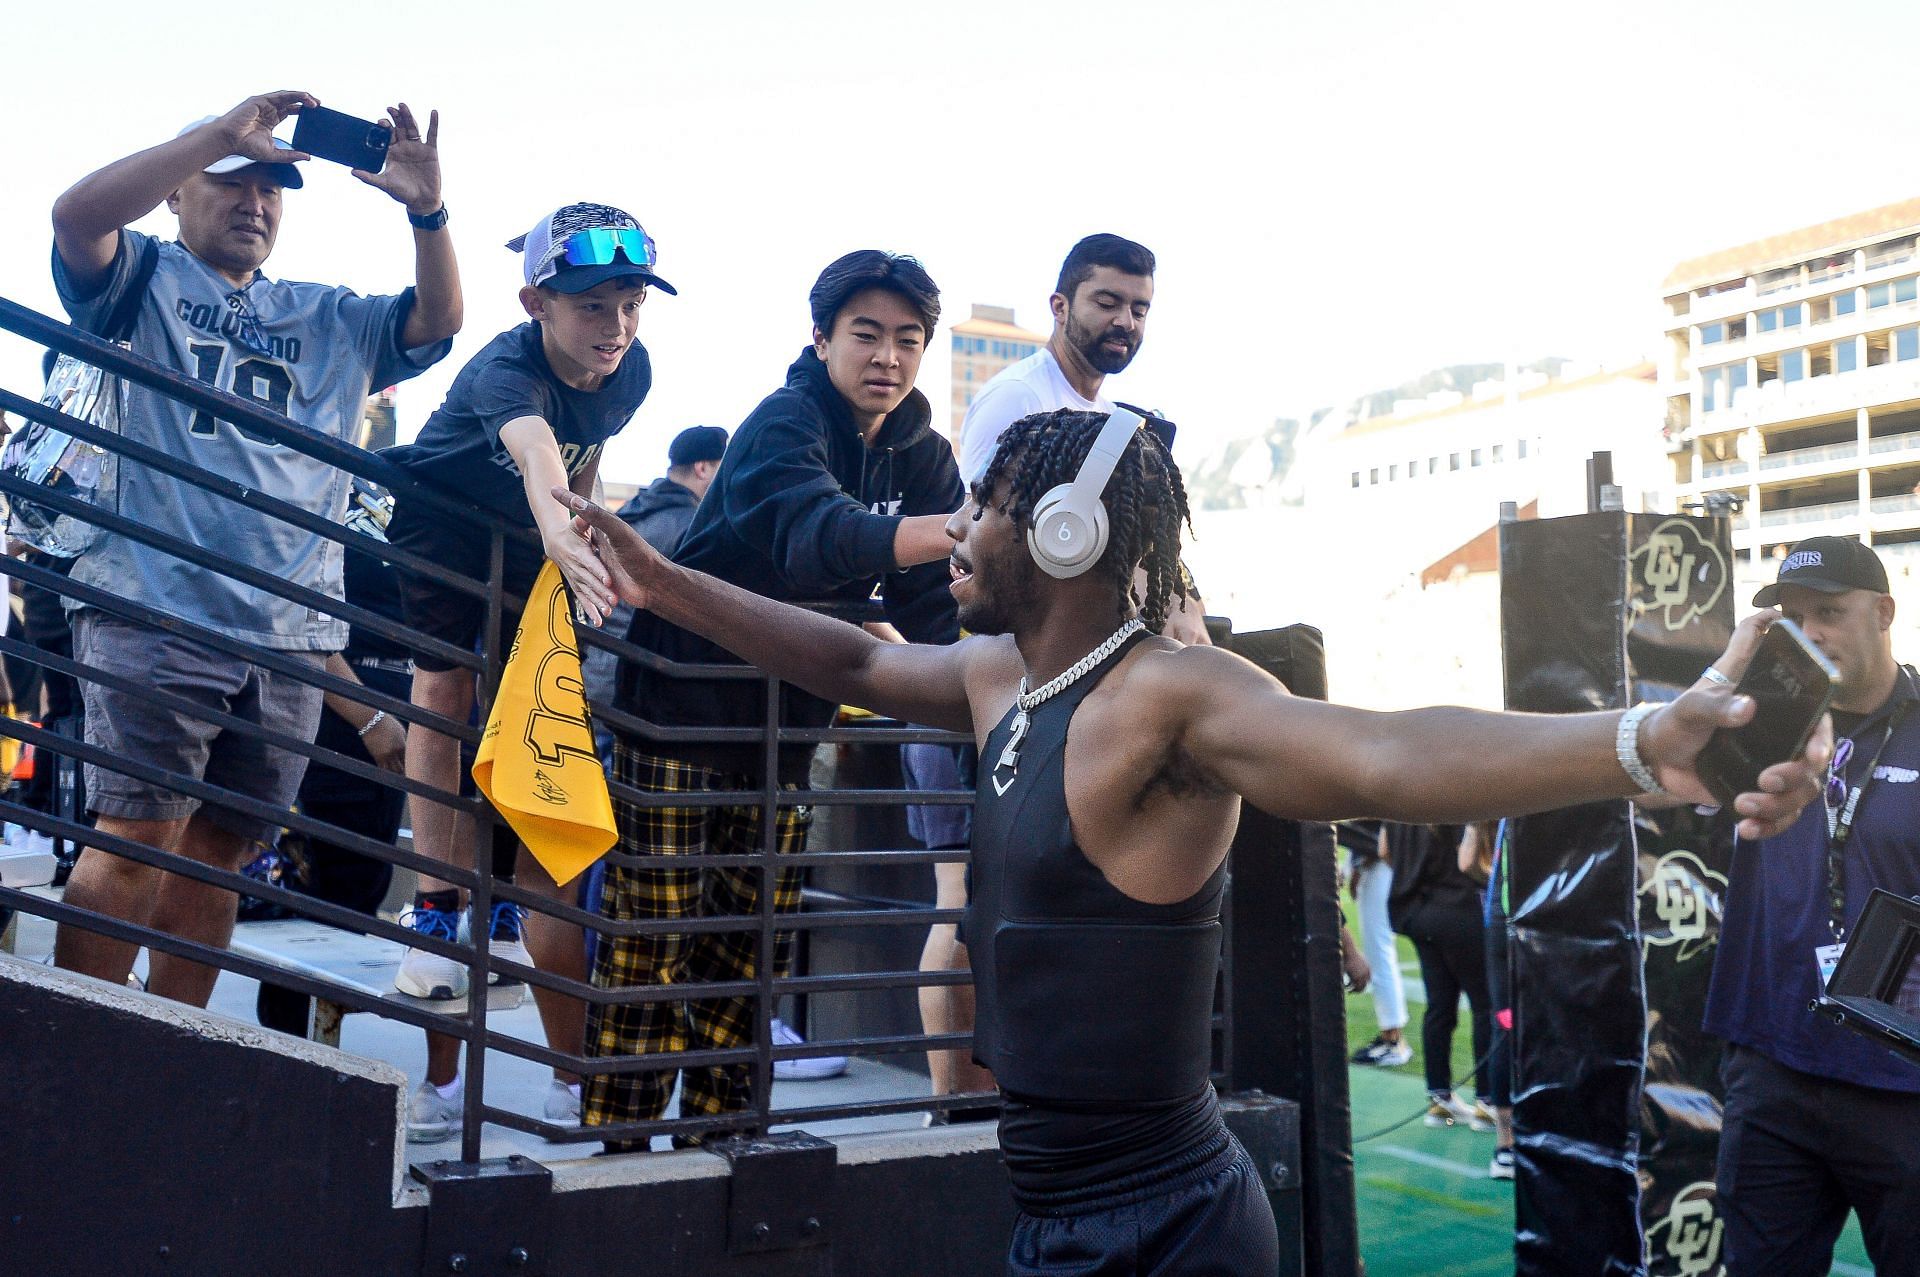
{"x":431,"y":1117}
{"x":807,"y":1070}
{"x":563,"y":1103}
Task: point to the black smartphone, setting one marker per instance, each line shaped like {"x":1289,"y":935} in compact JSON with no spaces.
{"x":342,"y":138}
{"x":1790,"y":682}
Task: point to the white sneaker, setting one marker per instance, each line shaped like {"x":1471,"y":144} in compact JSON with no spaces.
{"x":563,"y":1103}
{"x":1444,"y":1108}
{"x":1384,"y":1054}
{"x":1480,"y":1116}
{"x":506,"y":938}
{"x":428,"y":975}
{"x":431,"y":1116}
{"x":807,"y":1070}
{"x":1501,"y":1167}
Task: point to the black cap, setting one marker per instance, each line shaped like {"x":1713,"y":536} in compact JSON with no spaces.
{"x":697,"y":443}
{"x":1831,"y":565}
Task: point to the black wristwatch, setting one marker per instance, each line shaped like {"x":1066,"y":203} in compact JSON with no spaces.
{"x":431,"y":222}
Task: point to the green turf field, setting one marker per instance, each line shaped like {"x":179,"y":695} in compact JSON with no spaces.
{"x":1426,"y":1206}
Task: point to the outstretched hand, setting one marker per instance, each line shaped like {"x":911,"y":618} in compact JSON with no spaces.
{"x":412,"y":172}
{"x":630,"y":562}
{"x":1672,"y":738}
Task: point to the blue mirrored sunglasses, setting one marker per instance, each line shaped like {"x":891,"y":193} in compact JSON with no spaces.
{"x":1837,"y":773}
{"x":602,"y":245}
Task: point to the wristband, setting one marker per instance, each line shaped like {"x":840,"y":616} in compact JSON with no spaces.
{"x":431,"y":222}
{"x":1626,"y":748}
{"x":379,"y":717}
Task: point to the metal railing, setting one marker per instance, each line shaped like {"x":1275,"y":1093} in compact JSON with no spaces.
{"x":469,"y":1026}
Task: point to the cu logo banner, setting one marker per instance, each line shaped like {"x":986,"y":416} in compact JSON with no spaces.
{"x":1688,"y":1239}
{"x":1677,"y":573}
{"x":1685,"y":897}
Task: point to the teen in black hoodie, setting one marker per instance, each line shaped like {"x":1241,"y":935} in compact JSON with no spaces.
{"x":834,"y":485}
{"x":803,"y":510}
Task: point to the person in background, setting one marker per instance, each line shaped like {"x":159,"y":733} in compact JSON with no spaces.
{"x":326,"y":870}
{"x":1370,"y":880}
{"x":1100,"y":304}
{"x":1438,"y":907}
{"x":1483,"y":857}
{"x":1819,"y":1122}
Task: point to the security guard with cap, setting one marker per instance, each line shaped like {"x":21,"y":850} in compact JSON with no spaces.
{"x":1818,"y":1121}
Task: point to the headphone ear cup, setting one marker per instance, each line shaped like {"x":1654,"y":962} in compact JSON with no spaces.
{"x":1043,"y":511}
{"x":1066,"y":538}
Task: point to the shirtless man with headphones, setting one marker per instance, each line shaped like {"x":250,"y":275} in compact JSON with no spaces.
{"x":1114,"y":763}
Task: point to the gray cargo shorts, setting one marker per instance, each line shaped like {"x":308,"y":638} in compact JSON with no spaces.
{"x":134,"y":728}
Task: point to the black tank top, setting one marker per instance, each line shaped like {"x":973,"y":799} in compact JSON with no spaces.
{"x":1094,"y":1010}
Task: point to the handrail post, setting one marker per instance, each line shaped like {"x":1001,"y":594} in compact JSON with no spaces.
{"x":769,"y":886}
{"x":480,"y":902}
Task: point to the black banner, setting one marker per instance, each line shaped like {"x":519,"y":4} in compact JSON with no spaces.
{"x":1598,"y":611}
{"x":1681,"y":616}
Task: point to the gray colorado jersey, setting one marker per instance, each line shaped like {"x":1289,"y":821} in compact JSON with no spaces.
{"x":306,"y":350}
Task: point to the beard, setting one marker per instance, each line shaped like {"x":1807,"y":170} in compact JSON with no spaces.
{"x":1014,"y":581}
{"x":1087,"y":341}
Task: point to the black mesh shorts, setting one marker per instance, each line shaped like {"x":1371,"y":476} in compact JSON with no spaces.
{"x":1212,"y":1221}
{"x":438,"y":609}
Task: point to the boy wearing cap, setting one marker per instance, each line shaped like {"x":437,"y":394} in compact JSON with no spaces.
{"x":1816,"y":1120}
{"x":309,"y":351}
{"x":530,"y":412}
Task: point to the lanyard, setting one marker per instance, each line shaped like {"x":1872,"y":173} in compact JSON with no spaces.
{"x":1840,"y":825}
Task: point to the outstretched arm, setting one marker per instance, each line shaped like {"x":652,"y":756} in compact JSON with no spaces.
{"x":1308,"y":760}
{"x":830,"y":658}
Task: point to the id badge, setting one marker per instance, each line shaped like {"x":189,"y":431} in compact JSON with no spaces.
{"x":1826,"y":957}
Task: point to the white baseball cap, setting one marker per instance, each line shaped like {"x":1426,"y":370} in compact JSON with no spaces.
{"x":287,"y":175}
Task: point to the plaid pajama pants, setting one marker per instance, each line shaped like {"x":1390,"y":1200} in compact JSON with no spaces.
{"x":629,"y":893}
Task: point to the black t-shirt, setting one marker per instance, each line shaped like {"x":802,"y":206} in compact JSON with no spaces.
{"x":460,"y":448}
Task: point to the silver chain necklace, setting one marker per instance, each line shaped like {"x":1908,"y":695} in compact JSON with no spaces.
{"x":1028,"y":701}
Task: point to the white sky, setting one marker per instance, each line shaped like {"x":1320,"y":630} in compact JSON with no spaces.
{"x":1340,"y":195}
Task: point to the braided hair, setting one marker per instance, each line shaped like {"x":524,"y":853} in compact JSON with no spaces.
{"x":1145,"y":499}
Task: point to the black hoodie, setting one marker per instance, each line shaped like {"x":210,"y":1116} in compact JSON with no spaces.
{"x":802,"y":510}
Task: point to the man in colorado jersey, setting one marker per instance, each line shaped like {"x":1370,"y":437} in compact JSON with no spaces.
{"x":310,"y":351}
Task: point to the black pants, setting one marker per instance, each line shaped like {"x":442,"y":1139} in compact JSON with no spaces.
{"x":1214,"y":1221}
{"x":1797,"y":1152}
{"x":334,"y":873}
{"x":1453,"y":960}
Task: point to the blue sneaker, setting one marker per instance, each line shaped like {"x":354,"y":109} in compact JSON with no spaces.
{"x":428,"y":975}
{"x":505,"y":939}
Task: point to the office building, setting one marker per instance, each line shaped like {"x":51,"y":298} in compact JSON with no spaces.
{"x":983,"y":344}
{"x":1791,"y":374}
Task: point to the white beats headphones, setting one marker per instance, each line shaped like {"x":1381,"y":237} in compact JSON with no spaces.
{"x":1069,"y":525}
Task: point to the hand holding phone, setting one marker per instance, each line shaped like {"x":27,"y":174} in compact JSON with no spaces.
{"x":1791,"y":683}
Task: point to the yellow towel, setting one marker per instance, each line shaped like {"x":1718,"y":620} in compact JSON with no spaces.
{"x":536,"y":763}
